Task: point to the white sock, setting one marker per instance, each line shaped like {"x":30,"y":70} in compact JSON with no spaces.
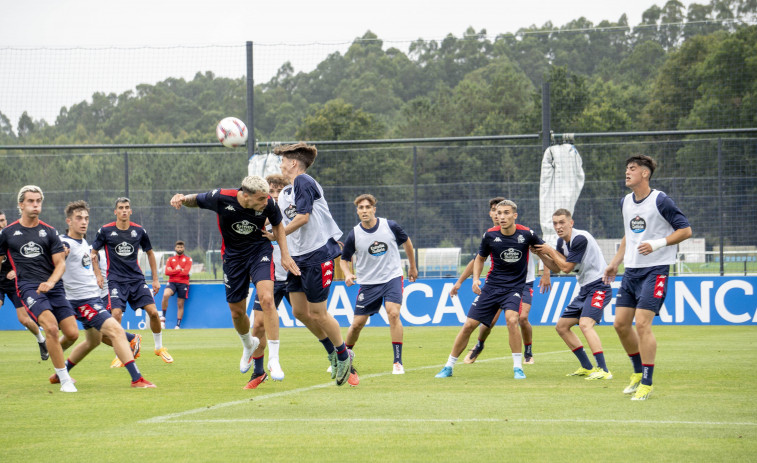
{"x":158,"y":337}
{"x":246,"y":340}
{"x":63,"y":375}
{"x":451,"y":362}
{"x":40,"y":337}
{"x":273,"y":350}
{"x":517,"y":360}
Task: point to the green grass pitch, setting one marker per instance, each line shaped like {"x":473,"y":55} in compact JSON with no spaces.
{"x":704,"y":407}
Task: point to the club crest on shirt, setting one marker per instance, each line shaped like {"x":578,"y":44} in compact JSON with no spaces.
{"x":521,"y":239}
{"x":86,"y":260}
{"x":244,"y":227}
{"x":230,"y":208}
{"x":510,"y":255}
{"x":638,"y":224}
{"x":114,"y":292}
{"x":42,"y":233}
{"x":31,"y":250}
{"x":290,"y":211}
{"x":133,"y":233}
{"x":124,"y":249}
{"x":377,"y":249}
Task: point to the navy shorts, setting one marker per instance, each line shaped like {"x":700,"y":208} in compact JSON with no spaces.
{"x":491,"y":300}
{"x":590,"y":302}
{"x":180,"y":289}
{"x":106,"y":302}
{"x":528,"y":293}
{"x":314,"y":281}
{"x":54,"y":300}
{"x":10,"y":291}
{"x":237,"y":275}
{"x":370,"y":297}
{"x":90,"y":312}
{"x":279,"y":293}
{"x":138,"y":294}
{"x":644,"y":288}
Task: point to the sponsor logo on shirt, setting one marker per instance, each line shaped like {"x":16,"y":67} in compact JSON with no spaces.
{"x":511,"y":255}
{"x":31,"y":250}
{"x":497,"y":240}
{"x":638,"y":225}
{"x":17,"y":233}
{"x":124,"y":249}
{"x":244,"y":227}
{"x":265,"y":259}
{"x":113,"y":233}
{"x":377,"y":249}
{"x":290,"y":212}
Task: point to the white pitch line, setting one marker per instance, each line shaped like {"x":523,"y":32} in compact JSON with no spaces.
{"x":171,"y":416}
{"x":463,"y":420}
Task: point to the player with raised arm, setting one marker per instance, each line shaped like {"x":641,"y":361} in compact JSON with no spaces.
{"x":126,"y":282}
{"x":276,"y":183}
{"x":374,"y":244}
{"x":247,"y":256}
{"x":177,"y":270}
{"x":508,"y":247}
{"x":8,"y":288}
{"x":83,"y":292}
{"x":578,"y":251}
{"x":312,"y":234}
{"x":525,"y":304}
{"x":654,"y":225}
{"x":37,"y":256}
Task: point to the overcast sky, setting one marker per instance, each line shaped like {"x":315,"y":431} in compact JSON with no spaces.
{"x":41,"y":81}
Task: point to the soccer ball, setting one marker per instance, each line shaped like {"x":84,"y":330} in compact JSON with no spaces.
{"x":231,"y":132}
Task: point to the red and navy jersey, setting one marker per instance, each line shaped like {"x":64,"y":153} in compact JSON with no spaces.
{"x":509,"y":255}
{"x":241,"y":228}
{"x":122,"y":250}
{"x":30,"y":250}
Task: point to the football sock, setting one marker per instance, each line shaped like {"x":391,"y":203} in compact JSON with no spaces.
{"x":246,"y":340}
{"x":646,"y":378}
{"x":480,"y":344}
{"x":258,"y":369}
{"x":527,"y":351}
{"x":327,"y":344}
{"x":178,"y":322}
{"x":341,"y":353}
{"x":69,"y":364}
{"x":158,"y":337}
{"x":451,"y":362}
{"x":517,"y":360}
{"x":130,"y":336}
{"x":40,"y":337}
{"x":600,"y":358}
{"x":131,"y":367}
{"x":397,"y":348}
{"x":62,"y":374}
{"x":580,"y":353}
{"x":636,"y":361}
{"x":273,"y":350}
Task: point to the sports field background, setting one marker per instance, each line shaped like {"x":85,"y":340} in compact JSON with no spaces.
{"x":703,"y":407}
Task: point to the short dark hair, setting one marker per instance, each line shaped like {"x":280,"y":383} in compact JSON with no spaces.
{"x":122,"y":199}
{"x":277,"y":180}
{"x":564,"y":212}
{"x":644,"y":161}
{"x":495,"y":201}
{"x":301,"y":152}
{"x":74,"y":206}
{"x":180,"y":242}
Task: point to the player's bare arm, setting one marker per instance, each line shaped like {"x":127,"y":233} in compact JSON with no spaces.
{"x":612,"y":270}
{"x":349,"y":277}
{"x":478,"y":267}
{"x":96,"y":268}
{"x":650,"y":246}
{"x":298,"y":221}
{"x":412,"y":272}
{"x":60,"y":266}
{"x":154,"y":270}
{"x":179,"y":200}
{"x":459,"y":283}
{"x":287,"y":262}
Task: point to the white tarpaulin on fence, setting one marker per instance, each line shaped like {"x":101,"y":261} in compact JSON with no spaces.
{"x":562,"y":178}
{"x":264,"y":164}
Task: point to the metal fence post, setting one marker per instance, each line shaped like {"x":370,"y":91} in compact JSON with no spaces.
{"x":250,"y":104}
{"x":126,"y":174}
{"x":415,"y":201}
{"x":720,"y":204}
{"x":546,"y":117}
